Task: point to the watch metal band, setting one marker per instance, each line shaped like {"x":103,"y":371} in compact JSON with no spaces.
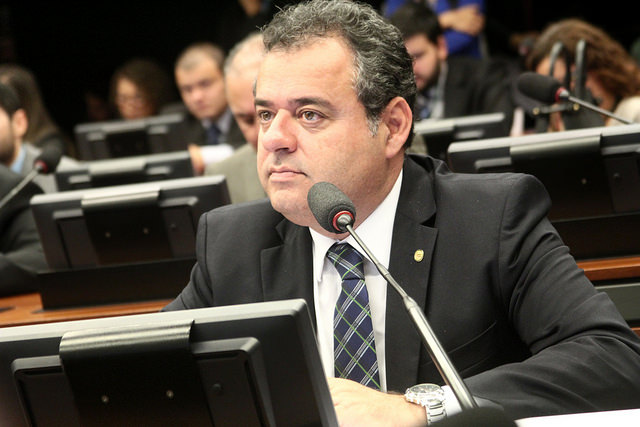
{"x":435,"y":412}
{"x":431,"y":397}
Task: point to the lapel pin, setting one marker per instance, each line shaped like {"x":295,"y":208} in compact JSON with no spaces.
{"x":418,"y":255}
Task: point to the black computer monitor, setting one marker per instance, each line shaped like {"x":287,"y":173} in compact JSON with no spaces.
{"x":250,"y":365}
{"x":124,"y":170}
{"x":439,"y":133}
{"x":123,"y":138}
{"x":592,"y":176}
{"x":590,"y":171}
{"x":125,"y":223}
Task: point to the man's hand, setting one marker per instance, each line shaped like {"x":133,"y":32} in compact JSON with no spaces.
{"x":358,"y":405}
{"x":196,"y":159}
{"x":466,"y":19}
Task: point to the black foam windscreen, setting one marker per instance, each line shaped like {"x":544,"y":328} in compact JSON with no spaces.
{"x":48,"y":160}
{"x":478,"y":417}
{"x":539,"y":87}
{"x":326,"y":201}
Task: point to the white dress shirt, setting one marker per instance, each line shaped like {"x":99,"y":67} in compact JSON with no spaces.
{"x":376,"y":232}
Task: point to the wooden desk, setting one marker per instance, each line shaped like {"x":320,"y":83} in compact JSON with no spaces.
{"x":611,"y":268}
{"x":27,"y":309}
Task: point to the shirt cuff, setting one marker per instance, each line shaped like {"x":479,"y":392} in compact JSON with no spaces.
{"x":452,"y":406}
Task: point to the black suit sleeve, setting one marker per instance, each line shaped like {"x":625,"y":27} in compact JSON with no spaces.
{"x":21,"y":255}
{"x":583,"y":353}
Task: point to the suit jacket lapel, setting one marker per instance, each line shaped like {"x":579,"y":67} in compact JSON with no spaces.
{"x":411,"y":233}
{"x":287,"y":269}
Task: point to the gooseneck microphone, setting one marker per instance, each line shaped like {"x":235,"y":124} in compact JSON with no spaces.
{"x":336,"y":213}
{"x":48,"y":160}
{"x":45,"y":163}
{"x":548,"y":90}
{"x":331,"y":207}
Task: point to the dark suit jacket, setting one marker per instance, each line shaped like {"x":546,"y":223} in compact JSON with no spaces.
{"x":475,"y":86}
{"x":496,"y":283}
{"x":196,"y":134}
{"x":21,"y":253}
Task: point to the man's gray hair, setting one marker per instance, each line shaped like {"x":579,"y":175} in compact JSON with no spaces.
{"x":383,"y":67}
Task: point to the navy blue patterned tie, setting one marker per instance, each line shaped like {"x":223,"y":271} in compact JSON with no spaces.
{"x":213,"y":134}
{"x":353,"y":342}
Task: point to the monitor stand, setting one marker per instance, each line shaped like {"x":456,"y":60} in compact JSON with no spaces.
{"x":111,"y":284}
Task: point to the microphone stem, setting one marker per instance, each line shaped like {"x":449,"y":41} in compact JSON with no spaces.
{"x":598,"y":109}
{"x":435,"y":349}
{"x":15,"y":190}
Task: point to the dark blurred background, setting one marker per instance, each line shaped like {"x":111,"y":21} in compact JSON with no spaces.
{"x":73,"y":48}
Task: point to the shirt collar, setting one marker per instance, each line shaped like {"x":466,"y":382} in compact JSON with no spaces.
{"x":18,"y":163}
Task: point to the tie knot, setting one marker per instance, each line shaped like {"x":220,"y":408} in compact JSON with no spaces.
{"x":347,"y":261}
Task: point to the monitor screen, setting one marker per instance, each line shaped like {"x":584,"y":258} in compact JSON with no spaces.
{"x":251,"y":365}
{"x":591,"y":171}
{"x":125,"y":170}
{"x":123,"y":138}
{"x":592,"y":176}
{"x":126,"y":223}
{"x":439,"y":133}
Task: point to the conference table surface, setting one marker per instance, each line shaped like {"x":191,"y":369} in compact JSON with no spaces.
{"x":27,"y":309}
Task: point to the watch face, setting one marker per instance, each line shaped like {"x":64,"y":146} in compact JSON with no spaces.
{"x":432,"y":389}
{"x":424,"y":394}
{"x":431,"y":396}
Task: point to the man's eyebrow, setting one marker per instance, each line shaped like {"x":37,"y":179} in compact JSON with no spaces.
{"x":297,"y":102}
{"x":261,"y":102}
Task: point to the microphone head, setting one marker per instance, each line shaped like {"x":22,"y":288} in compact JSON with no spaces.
{"x":542,"y":88}
{"x":331,"y":207}
{"x":48,"y":160}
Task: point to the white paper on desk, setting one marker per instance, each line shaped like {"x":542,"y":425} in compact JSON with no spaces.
{"x":624,"y":418}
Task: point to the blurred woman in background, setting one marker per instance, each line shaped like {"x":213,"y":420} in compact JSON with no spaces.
{"x":140,"y":88}
{"x":612,"y":76}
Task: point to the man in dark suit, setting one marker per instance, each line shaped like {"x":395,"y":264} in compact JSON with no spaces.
{"x":16,"y":153}
{"x":519,"y":319}
{"x":240,"y":71}
{"x":210,"y":129}
{"x":452,"y":86}
{"x":21,"y":253}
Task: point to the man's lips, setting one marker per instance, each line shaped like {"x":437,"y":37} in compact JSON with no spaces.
{"x":283,"y":173}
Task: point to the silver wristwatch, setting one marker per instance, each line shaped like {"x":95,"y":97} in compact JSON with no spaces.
{"x":431,"y":397}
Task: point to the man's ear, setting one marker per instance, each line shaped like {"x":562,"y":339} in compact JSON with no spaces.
{"x":398,"y":119}
{"x":19,"y":123}
{"x":442,"y":48}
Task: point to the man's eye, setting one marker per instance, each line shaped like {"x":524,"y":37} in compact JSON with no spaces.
{"x":310,"y":116}
{"x":205,"y":84}
{"x":264,"y":116}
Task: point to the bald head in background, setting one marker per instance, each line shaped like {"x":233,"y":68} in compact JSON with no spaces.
{"x":240,"y":73}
